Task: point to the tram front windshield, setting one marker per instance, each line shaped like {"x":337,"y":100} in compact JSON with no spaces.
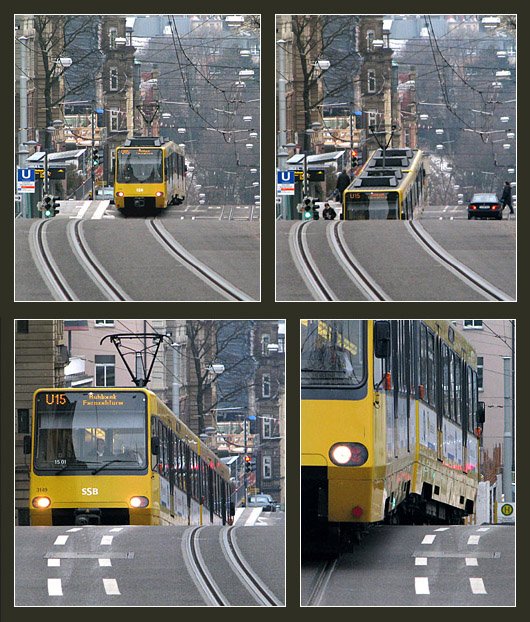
{"x":333,"y":353}
{"x":139,"y":166}
{"x":90,"y":432}
{"x":371,"y":205}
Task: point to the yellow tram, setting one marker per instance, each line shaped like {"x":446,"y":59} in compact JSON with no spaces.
{"x":120,"y":456}
{"x":149,"y":174}
{"x":388,"y":187}
{"x":390,"y":423}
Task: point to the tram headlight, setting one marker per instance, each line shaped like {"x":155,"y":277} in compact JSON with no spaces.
{"x":41,"y":503}
{"x":159,"y":194}
{"x":139,"y":502}
{"x":348,"y":454}
{"x":119,"y":194}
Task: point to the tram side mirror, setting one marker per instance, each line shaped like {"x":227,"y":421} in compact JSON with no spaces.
{"x":382,"y":339}
{"x":27,"y":444}
{"x":481,"y":412}
{"x":155,"y":445}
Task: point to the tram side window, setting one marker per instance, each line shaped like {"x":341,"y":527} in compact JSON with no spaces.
{"x":423,"y":359}
{"x":458,"y":388}
{"x":431,"y":373}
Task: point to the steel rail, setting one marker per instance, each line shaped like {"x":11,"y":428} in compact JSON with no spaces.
{"x":46,"y":265}
{"x":321,"y":582}
{"x":204,"y":272}
{"x":468,"y":276}
{"x":245,"y":573}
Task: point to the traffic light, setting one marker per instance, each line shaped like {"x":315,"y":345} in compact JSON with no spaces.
{"x":316,"y":215}
{"x":308,"y":212}
{"x":95,"y":156}
{"x":49,"y":206}
{"x":354,"y":158}
{"x":250,"y":464}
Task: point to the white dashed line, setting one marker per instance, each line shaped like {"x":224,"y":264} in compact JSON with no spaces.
{"x":471,"y":561}
{"x":104,"y":562}
{"x":477,"y":586}
{"x":54,"y":562}
{"x":61,"y":540}
{"x":442,"y":529}
{"x":55,"y":587}
{"x":83,"y":209}
{"x":422,"y":585}
{"x":74,"y":529}
{"x":473,"y":539}
{"x":429,"y":539}
{"x":483,"y":529}
{"x":115,"y":529}
{"x":111,"y":587}
{"x":100,"y":210}
{"x":253,"y":517}
{"x":421,"y":561}
{"x":106,"y":540}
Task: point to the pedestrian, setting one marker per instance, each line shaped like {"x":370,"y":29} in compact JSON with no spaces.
{"x":506,"y":198}
{"x":328,"y":213}
{"x":343,"y":181}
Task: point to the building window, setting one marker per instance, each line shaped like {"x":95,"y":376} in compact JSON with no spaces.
{"x":103,"y":322}
{"x":477,"y":324}
{"x":281,"y":343}
{"x":265,"y":341}
{"x":371,"y":81}
{"x":114,"y":120}
{"x":372,"y":118}
{"x":266,"y":385}
{"x":113,"y":33}
{"x":23,"y":420}
{"x":105,"y":365}
{"x":113,"y":79}
{"x":266,"y":467}
{"x":23,"y":326}
{"x":370,"y":36}
{"x":480,"y":373}
{"x":267,"y":428}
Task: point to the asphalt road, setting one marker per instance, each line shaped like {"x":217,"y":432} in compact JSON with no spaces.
{"x":402,"y":267}
{"x":142,"y":566}
{"x":139,"y":264}
{"x":419,"y":566}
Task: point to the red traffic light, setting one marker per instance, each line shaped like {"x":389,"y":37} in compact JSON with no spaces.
{"x":247,"y":458}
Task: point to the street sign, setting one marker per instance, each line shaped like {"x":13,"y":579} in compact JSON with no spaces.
{"x":505,"y":512}
{"x":285,"y":183}
{"x":25,"y":180}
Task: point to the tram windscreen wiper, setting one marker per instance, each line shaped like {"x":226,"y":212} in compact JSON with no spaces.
{"x":106,"y":464}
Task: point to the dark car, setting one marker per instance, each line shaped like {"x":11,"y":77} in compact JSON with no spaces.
{"x":262,"y":501}
{"x":484,"y":205}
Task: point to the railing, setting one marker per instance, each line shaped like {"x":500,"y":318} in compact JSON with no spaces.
{"x":82,"y":191}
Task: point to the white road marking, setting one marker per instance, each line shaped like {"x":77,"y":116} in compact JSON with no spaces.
{"x":442,"y":529}
{"x":111,"y":587}
{"x":100,"y":210}
{"x":477,"y":586}
{"x":106,"y":540}
{"x":446,"y":208}
{"x":61,"y":539}
{"x":473,"y":539}
{"x":116,"y":529}
{"x":54,"y":562}
{"x":253,"y":517}
{"x":422,"y":585}
{"x":429,"y":539}
{"x":84,"y":208}
{"x":104,"y":562}
{"x":471,"y":561}
{"x":74,"y":529}
{"x":421,"y":561}
{"x":483,"y":529}
{"x":55,"y":587}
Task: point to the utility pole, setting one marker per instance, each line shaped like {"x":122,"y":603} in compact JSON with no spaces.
{"x":507,"y":450}
{"x":282,"y":120}
{"x":92,"y":171}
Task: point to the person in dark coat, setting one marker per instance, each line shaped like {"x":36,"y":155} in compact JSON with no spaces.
{"x":506,"y":198}
{"x":343,"y":181}
{"x":328,"y":213}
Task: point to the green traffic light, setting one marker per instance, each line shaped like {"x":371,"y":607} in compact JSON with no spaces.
{"x":308,"y":215}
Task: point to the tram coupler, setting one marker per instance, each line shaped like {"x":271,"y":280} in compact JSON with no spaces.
{"x":87,"y":516}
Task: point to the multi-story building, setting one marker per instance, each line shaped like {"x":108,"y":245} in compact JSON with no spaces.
{"x":40,"y":358}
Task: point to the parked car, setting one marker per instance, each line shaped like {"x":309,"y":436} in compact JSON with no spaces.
{"x":484,"y":205}
{"x":262,"y":501}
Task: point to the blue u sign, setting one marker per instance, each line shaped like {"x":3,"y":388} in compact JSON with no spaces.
{"x":26,"y":174}
{"x":286,"y":177}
